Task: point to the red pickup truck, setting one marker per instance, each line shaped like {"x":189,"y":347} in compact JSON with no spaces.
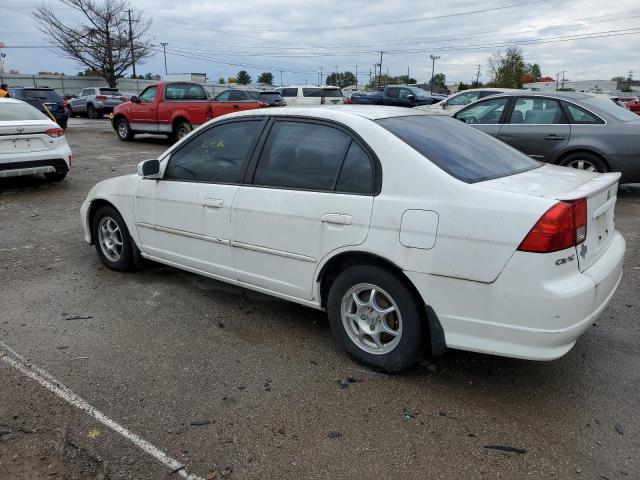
{"x":173,"y":109}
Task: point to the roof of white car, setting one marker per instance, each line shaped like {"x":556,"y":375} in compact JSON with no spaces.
{"x":10,"y":100}
{"x":372,"y":112}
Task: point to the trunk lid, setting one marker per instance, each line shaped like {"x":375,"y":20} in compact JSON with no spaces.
{"x":26,"y":136}
{"x":560,"y":183}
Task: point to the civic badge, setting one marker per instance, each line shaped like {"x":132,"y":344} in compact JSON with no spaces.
{"x":19,"y":130}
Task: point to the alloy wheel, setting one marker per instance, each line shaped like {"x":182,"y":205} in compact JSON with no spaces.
{"x":110,"y":239}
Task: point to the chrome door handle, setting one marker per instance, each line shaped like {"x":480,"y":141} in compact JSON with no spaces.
{"x":212,"y":203}
{"x":553,"y":137}
{"x":337,"y":218}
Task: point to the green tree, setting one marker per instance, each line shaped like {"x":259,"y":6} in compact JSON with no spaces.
{"x":221,"y":80}
{"x":619,"y":79}
{"x":534,"y":71}
{"x":507,"y":68}
{"x":462,"y":86}
{"x":439,"y":80}
{"x":243,"y":78}
{"x":266,"y":78}
{"x":342,"y":79}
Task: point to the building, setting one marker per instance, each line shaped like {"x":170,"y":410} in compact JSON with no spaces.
{"x":592,"y":86}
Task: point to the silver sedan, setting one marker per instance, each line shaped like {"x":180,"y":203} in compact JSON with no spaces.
{"x":578,"y":130}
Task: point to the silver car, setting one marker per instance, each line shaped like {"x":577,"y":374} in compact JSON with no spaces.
{"x":95,"y":101}
{"x":578,"y":130}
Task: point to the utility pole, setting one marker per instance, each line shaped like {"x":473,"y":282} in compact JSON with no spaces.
{"x":370,"y":77}
{"x":433,"y":67}
{"x":164,"y":51}
{"x":133,"y":60}
{"x":478,"y":78}
{"x":380,"y":76}
{"x":557,"y":80}
{"x":356,"y":77}
{"x":321,"y":79}
{"x":563,"y":72}
{"x":408,"y":75}
{"x":281,"y":78}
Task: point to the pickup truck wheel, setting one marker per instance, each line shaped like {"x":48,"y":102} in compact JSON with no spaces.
{"x":123,"y":129}
{"x":181,"y":130}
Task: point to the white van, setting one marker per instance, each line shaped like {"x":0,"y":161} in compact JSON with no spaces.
{"x":308,"y":95}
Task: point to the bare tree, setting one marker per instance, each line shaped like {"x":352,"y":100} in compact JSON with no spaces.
{"x":103,"y":42}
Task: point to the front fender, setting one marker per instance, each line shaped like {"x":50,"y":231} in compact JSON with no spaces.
{"x":118,"y":192}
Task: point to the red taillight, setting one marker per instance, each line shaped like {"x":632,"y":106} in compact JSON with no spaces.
{"x":65,"y":104}
{"x":562,"y":226}
{"x":101,"y":97}
{"x":262,"y":105}
{"x":55,"y":132}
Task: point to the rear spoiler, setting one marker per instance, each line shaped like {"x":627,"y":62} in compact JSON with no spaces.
{"x":593,"y":186}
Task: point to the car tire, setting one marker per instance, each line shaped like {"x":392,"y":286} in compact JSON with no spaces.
{"x":63,"y":123}
{"x":181,"y":130}
{"x":357,"y":324}
{"x":92,"y":113}
{"x":123,"y":130}
{"x":585,"y":161}
{"x":112,"y":240}
{"x":71,"y":112}
{"x":55,"y":176}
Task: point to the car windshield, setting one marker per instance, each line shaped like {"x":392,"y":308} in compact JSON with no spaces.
{"x":462,"y":151}
{"x":609,"y":108}
{"x":46,"y":94}
{"x":419,"y":93}
{"x":10,"y":111}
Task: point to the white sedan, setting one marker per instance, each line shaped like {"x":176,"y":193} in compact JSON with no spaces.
{"x":412,"y":231}
{"x":31,"y":143}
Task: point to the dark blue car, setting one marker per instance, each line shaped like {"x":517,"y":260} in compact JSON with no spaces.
{"x":44,"y":99}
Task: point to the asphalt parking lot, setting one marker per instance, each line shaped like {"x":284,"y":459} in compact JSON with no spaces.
{"x":233,"y":384}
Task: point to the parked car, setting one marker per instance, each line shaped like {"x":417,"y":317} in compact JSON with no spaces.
{"x":450,"y":105}
{"x":46,"y":100}
{"x":271,"y":97}
{"x":578,"y":130}
{"x":618,"y":102}
{"x":94,"y":102}
{"x":411,"y":230}
{"x":305,"y":95}
{"x":173,"y":109}
{"x":31,"y":143}
{"x":397,"y":96}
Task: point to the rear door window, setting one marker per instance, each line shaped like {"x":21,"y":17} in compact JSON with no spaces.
{"x":357,"y":174}
{"x":289,"y":92}
{"x":217,"y":155}
{"x":465,"y":153}
{"x":393,"y":92}
{"x":581,"y":116}
{"x":301,"y":155}
{"x":224,"y":96}
{"x":537,"y":111}
{"x":237,"y":96}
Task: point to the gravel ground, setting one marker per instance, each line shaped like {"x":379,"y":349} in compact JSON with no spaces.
{"x":237,"y":385}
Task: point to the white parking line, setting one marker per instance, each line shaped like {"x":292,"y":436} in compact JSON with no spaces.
{"x":41,"y":376}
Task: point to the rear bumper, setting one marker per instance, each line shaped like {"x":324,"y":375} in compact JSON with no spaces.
{"x":525,"y":313}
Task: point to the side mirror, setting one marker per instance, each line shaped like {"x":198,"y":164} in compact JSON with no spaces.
{"x":149,"y":169}
{"x":411,"y":98}
{"x":134,"y":99}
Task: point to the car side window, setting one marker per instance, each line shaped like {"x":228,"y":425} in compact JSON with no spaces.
{"x":356,"y":175}
{"x":463,"y":98}
{"x":404,"y":93}
{"x":485,"y":112}
{"x":223,"y":97}
{"x":301,"y":155}
{"x":540,"y":111}
{"x":393,"y":92}
{"x":184,"y":91}
{"x":289,"y":92}
{"x":86,"y":92}
{"x":237,"y":95}
{"x":216,"y":155}
{"x":148,"y":95}
{"x":581,"y":116}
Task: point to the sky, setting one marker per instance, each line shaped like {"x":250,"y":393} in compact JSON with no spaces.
{"x":587,"y":39}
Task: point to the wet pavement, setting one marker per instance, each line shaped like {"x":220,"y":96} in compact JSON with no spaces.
{"x":233,"y":384}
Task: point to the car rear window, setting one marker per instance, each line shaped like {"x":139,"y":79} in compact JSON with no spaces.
{"x":110,"y":91}
{"x":10,"y":111}
{"x":46,"y":94}
{"x":321,"y":92}
{"x":270,"y":96}
{"x":460,"y":150}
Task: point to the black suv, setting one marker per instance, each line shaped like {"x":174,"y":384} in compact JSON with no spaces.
{"x":44,"y":99}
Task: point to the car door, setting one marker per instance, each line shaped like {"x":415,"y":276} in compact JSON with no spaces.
{"x":537,"y":126}
{"x":79,"y":104}
{"x":311,"y":193}
{"x":485,"y":115}
{"x":184,"y":218}
{"x":143,"y":115}
{"x":393,"y":97}
{"x":240,"y":100}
